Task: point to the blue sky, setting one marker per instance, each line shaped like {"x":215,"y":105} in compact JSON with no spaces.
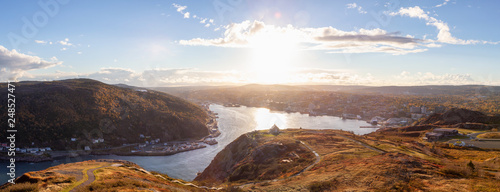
{"x":214,"y":42}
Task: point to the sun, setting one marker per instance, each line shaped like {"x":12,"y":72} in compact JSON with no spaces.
{"x":274,"y":55}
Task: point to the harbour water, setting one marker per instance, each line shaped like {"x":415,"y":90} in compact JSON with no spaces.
{"x":233,"y":122}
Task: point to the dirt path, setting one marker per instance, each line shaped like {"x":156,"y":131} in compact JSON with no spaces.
{"x":90,"y":178}
{"x":363,"y":144}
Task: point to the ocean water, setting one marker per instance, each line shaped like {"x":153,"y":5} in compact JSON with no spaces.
{"x":233,"y":122}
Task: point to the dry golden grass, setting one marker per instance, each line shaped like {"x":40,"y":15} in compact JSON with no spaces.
{"x":109,"y":178}
{"x":408,"y":165}
{"x":489,"y":135}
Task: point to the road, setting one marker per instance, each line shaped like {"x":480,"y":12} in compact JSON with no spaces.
{"x":363,"y":144}
{"x":478,"y":142}
{"x":89,"y":179}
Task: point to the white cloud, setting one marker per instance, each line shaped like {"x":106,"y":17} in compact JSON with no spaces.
{"x":65,"y":42}
{"x":444,"y":34}
{"x":355,"y":6}
{"x":14,"y":64}
{"x":333,"y":40}
{"x":180,"y":8}
{"x":443,"y":4}
{"x":189,"y":76}
{"x":40,"y":41}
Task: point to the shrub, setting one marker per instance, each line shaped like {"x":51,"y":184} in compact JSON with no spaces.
{"x":23,"y":187}
{"x":319,"y":186}
{"x":455,"y":171}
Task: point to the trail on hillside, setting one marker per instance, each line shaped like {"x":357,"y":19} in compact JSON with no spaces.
{"x":90,"y":178}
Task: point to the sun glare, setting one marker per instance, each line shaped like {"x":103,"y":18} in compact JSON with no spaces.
{"x":265,"y":119}
{"x":273,"y":57}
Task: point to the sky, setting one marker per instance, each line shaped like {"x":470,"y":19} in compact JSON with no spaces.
{"x":231,"y":42}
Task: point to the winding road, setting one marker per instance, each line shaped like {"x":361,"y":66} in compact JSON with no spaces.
{"x":89,"y":179}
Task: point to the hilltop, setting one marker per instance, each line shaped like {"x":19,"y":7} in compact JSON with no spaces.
{"x":257,"y":156}
{"x":460,"y":116}
{"x":50,"y":113}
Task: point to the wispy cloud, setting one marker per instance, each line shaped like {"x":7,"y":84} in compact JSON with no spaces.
{"x":444,"y":35}
{"x":14,"y":64}
{"x":428,"y":78}
{"x":65,"y":42}
{"x":40,"y":42}
{"x":355,"y":6}
{"x":443,"y":4}
{"x":332,"y":40}
{"x":181,"y":9}
{"x":207,"y":22}
{"x":191,"y":76}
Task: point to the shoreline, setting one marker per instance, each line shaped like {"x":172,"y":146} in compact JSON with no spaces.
{"x":175,"y":147}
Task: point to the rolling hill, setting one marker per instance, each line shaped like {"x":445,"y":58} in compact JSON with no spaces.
{"x":51,"y":113}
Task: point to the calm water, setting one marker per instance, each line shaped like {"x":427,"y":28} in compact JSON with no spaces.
{"x":233,"y":122}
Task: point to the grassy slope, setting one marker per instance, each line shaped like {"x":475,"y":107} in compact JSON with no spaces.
{"x":408,"y":165}
{"x":128,"y":177}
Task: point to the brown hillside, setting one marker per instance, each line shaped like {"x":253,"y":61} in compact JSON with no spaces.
{"x":50,"y":113}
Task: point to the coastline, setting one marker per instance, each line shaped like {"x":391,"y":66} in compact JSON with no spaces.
{"x":172,"y":148}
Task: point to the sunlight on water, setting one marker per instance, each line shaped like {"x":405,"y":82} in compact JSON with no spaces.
{"x":265,"y":119}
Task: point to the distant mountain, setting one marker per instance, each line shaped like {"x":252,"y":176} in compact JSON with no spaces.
{"x":459,"y":117}
{"x":430,"y":90}
{"x":396,"y":90}
{"x":51,"y":113}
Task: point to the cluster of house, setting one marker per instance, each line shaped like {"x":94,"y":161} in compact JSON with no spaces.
{"x":437,"y":134}
{"x":33,"y":150}
{"x":169,"y":149}
{"x":377,"y":120}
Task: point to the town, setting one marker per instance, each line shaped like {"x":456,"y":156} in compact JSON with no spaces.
{"x":150,"y":146}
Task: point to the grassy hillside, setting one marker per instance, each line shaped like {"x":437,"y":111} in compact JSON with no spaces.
{"x":382,"y":161}
{"x":257,"y":156}
{"x":50,"y":113}
{"x":104,"y":175}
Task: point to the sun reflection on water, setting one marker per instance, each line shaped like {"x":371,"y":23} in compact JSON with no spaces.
{"x":265,"y":119}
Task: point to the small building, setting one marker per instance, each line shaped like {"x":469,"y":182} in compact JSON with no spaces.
{"x":415,"y":109}
{"x":73,"y":139}
{"x":87,"y":148}
{"x":416,"y":116}
{"x":423,"y":109}
{"x":275,"y":130}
